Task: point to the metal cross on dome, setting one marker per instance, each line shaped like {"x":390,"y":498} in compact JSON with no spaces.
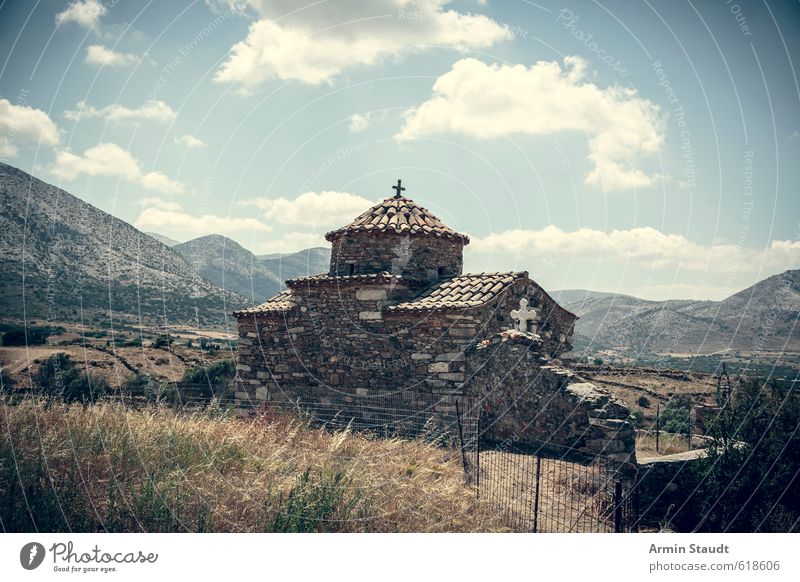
{"x":523,"y":315}
{"x":399,"y":188}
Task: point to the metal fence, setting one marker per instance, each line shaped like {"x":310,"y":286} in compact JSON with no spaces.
{"x":548,"y":490}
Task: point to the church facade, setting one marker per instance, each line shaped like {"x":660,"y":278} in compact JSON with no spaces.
{"x":396,"y":325}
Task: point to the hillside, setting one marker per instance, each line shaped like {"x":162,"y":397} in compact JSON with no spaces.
{"x":230,"y":266}
{"x":170,"y":242}
{"x":64,"y":259}
{"x":761,"y":317}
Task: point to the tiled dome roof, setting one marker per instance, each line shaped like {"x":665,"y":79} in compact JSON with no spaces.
{"x":399,"y":215}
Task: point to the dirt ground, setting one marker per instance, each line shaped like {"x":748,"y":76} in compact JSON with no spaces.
{"x":93,"y":351}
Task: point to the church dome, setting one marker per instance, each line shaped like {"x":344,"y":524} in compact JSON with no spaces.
{"x":399,"y":215}
{"x":400,"y":237}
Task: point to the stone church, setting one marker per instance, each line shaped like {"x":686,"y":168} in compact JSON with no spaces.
{"x":395,"y":325}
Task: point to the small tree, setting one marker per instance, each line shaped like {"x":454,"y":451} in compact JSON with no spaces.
{"x":163,"y":341}
{"x":58,"y":377}
{"x":675,"y":417}
{"x":749,"y":480}
{"x":6,"y":381}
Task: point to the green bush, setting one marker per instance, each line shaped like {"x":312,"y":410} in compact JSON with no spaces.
{"x":219,"y":372}
{"x":675,"y":417}
{"x":643,"y":401}
{"x":6,"y":381}
{"x":18,"y":335}
{"x":748,"y":481}
{"x":163,"y":341}
{"x":58,"y":377}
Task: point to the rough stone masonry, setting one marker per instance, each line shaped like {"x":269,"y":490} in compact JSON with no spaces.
{"x":395,"y":322}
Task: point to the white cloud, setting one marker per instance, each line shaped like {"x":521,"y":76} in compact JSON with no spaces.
{"x":316,"y":43}
{"x":20,"y":124}
{"x":323,"y":209}
{"x":109,"y":159}
{"x":86,"y":13}
{"x":161,"y":204}
{"x":190,"y":141}
{"x":101,"y":56}
{"x":644,"y":246}
{"x":490,"y":101}
{"x":152,"y":110}
{"x":291,"y":242}
{"x":168,"y":218}
{"x":359,"y":123}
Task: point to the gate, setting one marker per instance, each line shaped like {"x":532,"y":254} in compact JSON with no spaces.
{"x":556,"y":489}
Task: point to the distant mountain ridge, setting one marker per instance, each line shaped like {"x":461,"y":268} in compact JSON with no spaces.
{"x":62,"y":258}
{"x":761,"y":317}
{"x":230,"y":266}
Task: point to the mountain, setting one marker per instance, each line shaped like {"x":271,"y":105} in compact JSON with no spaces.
{"x":170,"y":242}
{"x":761,"y":317}
{"x":568,"y":296}
{"x":230,"y":266}
{"x":64,"y":259}
{"x":300,"y":264}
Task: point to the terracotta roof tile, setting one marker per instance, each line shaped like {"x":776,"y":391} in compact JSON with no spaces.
{"x":279,"y":304}
{"x":383,"y":276}
{"x":471,"y":290}
{"x":399,"y":215}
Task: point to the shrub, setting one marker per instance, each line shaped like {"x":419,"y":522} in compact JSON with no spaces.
{"x":748,"y":481}
{"x":58,"y":377}
{"x":6,"y":381}
{"x":598,"y":361}
{"x":643,"y":401}
{"x":219,"y":372}
{"x":163,"y":341}
{"x":18,"y":335}
{"x":675,"y":417}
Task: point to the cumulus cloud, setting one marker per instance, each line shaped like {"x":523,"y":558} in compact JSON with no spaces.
{"x":359,"y":123}
{"x":20,"y":124}
{"x":489,"y":101}
{"x":319,"y":209}
{"x":645,"y":246}
{"x":160,"y":203}
{"x":109,"y":159}
{"x":190,"y":141}
{"x":170,"y":219}
{"x":152,"y":110}
{"x":105,"y":57}
{"x":86,"y":13}
{"x":316,"y":43}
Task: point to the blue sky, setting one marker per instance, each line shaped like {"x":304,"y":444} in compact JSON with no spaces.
{"x":643,"y":148}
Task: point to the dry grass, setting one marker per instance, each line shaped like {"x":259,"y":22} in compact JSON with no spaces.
{"x":108,"y":468}
{"x":668,"y":443}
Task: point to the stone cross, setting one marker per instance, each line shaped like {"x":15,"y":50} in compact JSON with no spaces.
{"x":524,"y":316}
{"x":398,"y":189}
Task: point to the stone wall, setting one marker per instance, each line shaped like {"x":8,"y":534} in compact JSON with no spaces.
{"x":417,"y":259}
{"x":529,"y":403}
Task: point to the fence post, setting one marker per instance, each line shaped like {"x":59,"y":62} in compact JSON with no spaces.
{"x":689,"y":430}
{"x":658,"y":425}
{"x":478,"y":456}
{"x":536,"y":495}
{"x":618,"y":507}
{"x":461,"y":442}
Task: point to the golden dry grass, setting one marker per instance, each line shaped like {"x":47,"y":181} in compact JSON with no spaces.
{"x":106,"y":467}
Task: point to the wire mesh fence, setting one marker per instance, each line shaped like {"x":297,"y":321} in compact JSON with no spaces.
{"x":541,"y":491}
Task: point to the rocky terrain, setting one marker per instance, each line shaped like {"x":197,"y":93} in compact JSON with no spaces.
{"x":62,"y":259}
{"x":761,"y":318}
